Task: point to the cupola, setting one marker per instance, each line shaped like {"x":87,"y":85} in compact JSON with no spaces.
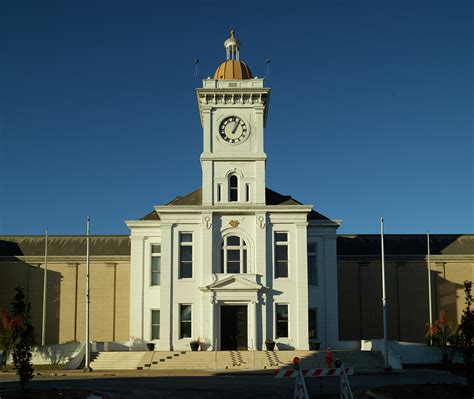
{"x":232,"y":68}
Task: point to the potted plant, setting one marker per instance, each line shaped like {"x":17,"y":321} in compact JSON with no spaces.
{"x":195,"y":345}
{"x":150,"y":346}
{"x":270,"y":344}
{"x":314,"y":345}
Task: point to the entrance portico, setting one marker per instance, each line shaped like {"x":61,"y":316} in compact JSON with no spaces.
{"x":236,"y":311}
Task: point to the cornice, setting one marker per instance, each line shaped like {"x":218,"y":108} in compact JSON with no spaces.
{"x":142,"y":223}
{"x":65,"y":258}
{"x":252,"y":96}
{"x":234,"y":209}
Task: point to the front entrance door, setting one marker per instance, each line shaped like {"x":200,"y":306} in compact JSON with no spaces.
{"x":233,"y":327}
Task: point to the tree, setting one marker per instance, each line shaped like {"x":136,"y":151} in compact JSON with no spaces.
{"x":18,"y":336}
{"x":465,"y":333}
{"x":441,"y":333}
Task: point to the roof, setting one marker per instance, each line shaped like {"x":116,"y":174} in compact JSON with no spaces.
{"x":271,"y":198}
{"x":64,"y":245}
{"x":405,"y":244}
{"x":232,"y":70}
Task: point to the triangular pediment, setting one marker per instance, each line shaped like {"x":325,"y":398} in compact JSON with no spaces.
{"x":233,"y":283}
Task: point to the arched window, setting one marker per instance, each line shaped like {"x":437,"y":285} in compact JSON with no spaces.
{"x":234,"y":255}
{"x":233,"y":188}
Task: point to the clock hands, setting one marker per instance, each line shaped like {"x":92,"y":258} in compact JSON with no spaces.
{"x":236,"y":125}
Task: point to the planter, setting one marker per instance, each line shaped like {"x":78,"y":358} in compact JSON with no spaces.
{"x":270,"y":345}
{"x":150,"y":346}
{"x":194,"y":345}
{"x":314,"y":346}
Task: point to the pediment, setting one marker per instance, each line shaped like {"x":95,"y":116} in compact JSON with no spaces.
{"x":233,"y":283}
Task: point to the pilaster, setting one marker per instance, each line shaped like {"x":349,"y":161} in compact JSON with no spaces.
{"x":136,"y":287}
{"x":166,"y":292}
{"x":302,"y":342}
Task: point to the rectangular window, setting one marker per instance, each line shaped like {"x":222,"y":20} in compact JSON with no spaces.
{"x":247,"y":192}
{"x":313,"y":323}
{"x":281,"y":254}
{"x":184,"y":321}
{"x":185,"y":255}
{"x":218,"y":192}
{"x":155,"y":324}
{"x":312,"y":264}
{"x":281,"y":321}
{"x":155,"y":277}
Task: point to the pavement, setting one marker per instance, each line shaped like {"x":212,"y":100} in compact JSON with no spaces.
{"x":202,"y":384}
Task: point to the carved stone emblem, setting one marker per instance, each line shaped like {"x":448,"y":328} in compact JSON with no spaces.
{"x":234,"y":223}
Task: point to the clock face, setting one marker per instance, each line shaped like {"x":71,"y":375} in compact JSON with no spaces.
{"x":233,"y":130}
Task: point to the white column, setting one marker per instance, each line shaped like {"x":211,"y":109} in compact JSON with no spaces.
{"x":136,"y":286}
{"x":166,"y":291}
{"x":255,"y":323}
{"x":301,"y":306}
{"x":261,"y":266}
{"x":207,"y":166}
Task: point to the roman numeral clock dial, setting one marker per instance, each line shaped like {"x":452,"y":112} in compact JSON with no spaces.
{"x":233,"y":130}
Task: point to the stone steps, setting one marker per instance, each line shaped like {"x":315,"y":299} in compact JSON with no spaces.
{"x":117,"y":360}
{"x":361,"y":361}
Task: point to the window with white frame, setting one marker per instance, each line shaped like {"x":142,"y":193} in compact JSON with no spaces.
{"x":155,"y":270}
{"x":233,"y":188}
{"x":281,"y":254}
{"x":155,"y":324}
{"x":185,"y":255}
{"x":313,"y":323}
{"x":185,"y":321}
{"x":281,"y":311}
{"x":234,"y":255}
{"x":312,"y":264}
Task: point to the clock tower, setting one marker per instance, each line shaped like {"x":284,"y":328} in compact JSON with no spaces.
{"x":233,"y":111}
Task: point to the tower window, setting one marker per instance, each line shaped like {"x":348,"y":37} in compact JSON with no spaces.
{"x":247,"y":192}
{"x":219,"y":192}
{"x":234,"y":255}
{"x":233,"y":188}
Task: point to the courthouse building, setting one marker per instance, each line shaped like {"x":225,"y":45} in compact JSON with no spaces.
{"x":234,"y":263}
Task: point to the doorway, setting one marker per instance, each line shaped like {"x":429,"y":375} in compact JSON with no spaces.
{"x":234,"y":328}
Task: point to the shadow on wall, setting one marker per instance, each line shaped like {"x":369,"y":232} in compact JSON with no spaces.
{"x":360,"y":290}
{"x":30,"y":276}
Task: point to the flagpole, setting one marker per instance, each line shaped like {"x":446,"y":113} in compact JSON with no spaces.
{"x":430,"y":310}
{"x":384,"y":299}
{"x":45,"y":289}
{"x":87,"y":360}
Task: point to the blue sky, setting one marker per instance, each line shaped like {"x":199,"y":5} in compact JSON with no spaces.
{"x":371,"y":109}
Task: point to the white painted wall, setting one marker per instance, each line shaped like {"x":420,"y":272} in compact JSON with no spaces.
{"x":208,"y":289}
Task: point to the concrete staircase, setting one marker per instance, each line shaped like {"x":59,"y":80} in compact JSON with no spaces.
{"x":118,"y":360}
{"x":361,"y":361}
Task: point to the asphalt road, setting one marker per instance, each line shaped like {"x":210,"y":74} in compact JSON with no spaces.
{"x":134,"y":385}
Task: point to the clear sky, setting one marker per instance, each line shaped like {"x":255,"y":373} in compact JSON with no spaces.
{"x":371,"y":110}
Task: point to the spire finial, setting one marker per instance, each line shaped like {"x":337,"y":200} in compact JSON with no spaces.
{"x":232,"y":46}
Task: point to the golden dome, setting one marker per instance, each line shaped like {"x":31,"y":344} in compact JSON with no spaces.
{"x":232,"y":70}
